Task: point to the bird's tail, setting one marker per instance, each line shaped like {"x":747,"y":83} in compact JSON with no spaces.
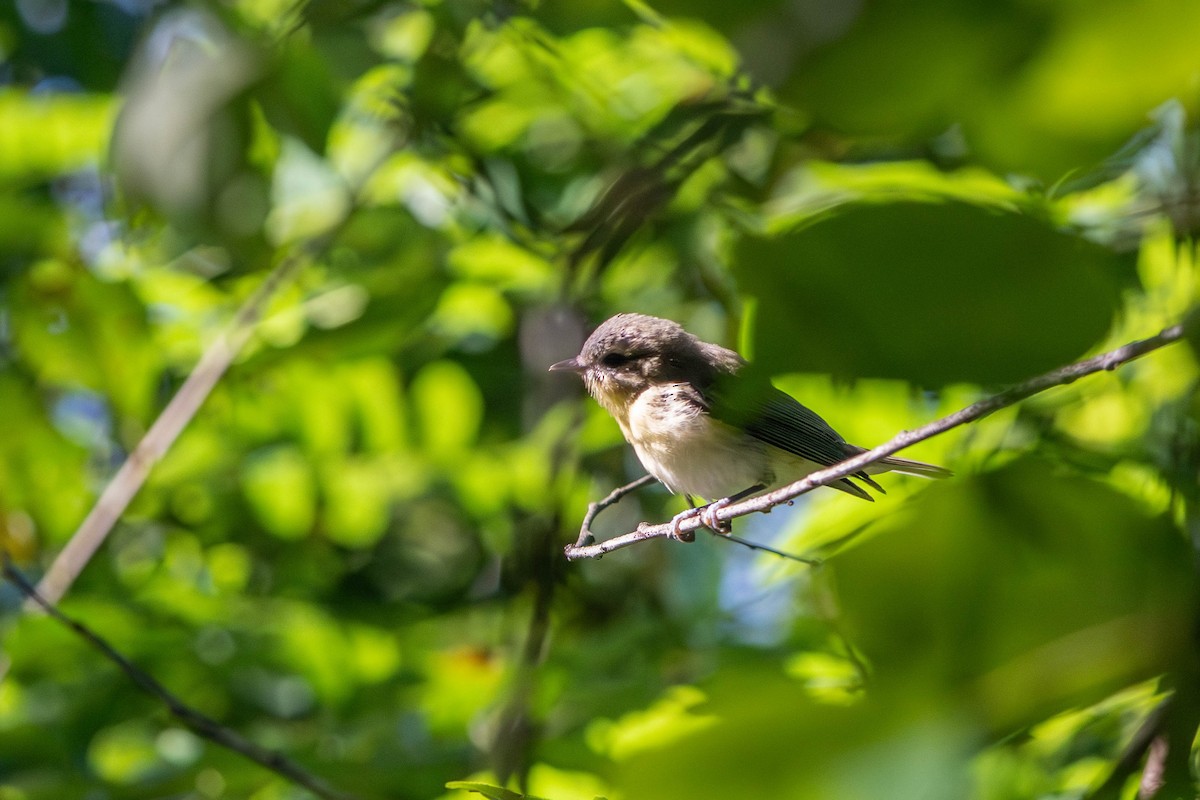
{"x":907,"y":466}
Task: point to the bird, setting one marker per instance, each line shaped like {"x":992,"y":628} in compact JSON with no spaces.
{"x":704,"y":425}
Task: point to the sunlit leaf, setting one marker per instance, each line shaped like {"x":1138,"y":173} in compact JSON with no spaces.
{"x":358,"y":496}
{"x":78,"y":331}
{"x":448,"y":405}
{"x":488,"y":791}
{"x":280,"y":487}
{"x":42,"y":475}
{"x":124,"y":753}
{"x":48,"y":134}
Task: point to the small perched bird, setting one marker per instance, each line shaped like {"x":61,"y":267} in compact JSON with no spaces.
{"x":702,"y":425}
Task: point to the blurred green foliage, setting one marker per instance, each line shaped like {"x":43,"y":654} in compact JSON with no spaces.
{"x":353,"y":552}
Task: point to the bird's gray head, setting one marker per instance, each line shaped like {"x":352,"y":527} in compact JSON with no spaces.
{"x":630,"y":352}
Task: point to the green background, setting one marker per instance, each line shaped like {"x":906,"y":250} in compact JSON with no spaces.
{"x":353,"y":553}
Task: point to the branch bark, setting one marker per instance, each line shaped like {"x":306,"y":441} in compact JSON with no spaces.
{"x":195,"y":721}
{"x":1150,"y":731}
{"x":763,"y":503}
{"x":586,"y":537}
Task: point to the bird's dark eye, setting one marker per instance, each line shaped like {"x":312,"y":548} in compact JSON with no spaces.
{"x":615,"y":359}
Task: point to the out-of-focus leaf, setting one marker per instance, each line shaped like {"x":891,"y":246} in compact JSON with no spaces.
{"x":381,"y":408}
{"x":1072,"y":104}
{"x":315,"y":646}
{"x":472,"y":311}
{"x":934,"y":293}
{"x":358,"y":498}
{"x":280,"y":487}
{"x":488,"y":791}
{"x":78,"y":331}
{"x":308,"y":197}
{"x":1028,"y":591}
{"x":449,"y":407}
{"x":300,"y":94}
{"x":664,"y":723}
{"x":28,"y":228}
{"x":123,"y":754}
{"x":42,"y":474}
{"x":50,"y":134}
{"x":460,"y":683}
{"x":1034,"y":87}
{"x":769,"y":739}
{"x":908,"y":68}
{"x":495,"y":260}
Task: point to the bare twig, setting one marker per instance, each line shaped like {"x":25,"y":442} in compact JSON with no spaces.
{"x":765,"y":502}
{"x":812,"y":562}
{"x":586,"y":537}
{"x":1154,"y":774}
{"x":195,"y":721}
{"x":128,"y":480}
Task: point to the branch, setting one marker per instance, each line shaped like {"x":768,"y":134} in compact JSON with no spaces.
{"x":765,"y":502}
{"x":586,"y":537}
{"x":812,"y":562}
{"x":195,"y":721}
{"x":121,"y":490}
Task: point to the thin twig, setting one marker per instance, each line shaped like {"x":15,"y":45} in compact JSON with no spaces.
{"x":586,"y":537}
{"x":128,"y":480}
{"x":194,"y":720}
{"x":812,"y":562}
{"x":765,"y":502}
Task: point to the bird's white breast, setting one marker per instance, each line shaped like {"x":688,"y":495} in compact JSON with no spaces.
{"x":690,"y":452}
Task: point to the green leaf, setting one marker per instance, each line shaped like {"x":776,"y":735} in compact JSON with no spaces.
{"x":48,"y":133}
{"x":773,"y":741}
{"x":1032,"y":88}
{"x":997,"y":602}
{"x":78,"y":331}
{"x":1025,"y":590}
{"x":281,"y":489}
{"x":489,"y":791}
{"x":300,"y":94}
{"x":933,"y":293}
{"x":911,"y":68}
{"x":41,"y":472}
{"x":449,"y":407}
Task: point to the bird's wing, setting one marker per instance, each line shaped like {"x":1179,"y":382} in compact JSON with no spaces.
{"x":790,"y":426}
{"x":778,"y":419}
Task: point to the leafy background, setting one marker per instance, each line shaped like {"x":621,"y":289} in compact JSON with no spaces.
{"x":354,"y":551}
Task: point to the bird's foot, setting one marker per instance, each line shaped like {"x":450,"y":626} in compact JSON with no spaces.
{"x":708,"y":515}
{"x":677,"y":520}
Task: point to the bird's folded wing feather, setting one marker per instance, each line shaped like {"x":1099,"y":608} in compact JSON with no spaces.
{"x":778,"y":419}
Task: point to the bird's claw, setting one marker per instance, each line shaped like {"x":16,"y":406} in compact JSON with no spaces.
{"x":677,"y":520}
{"x":708,"y":516}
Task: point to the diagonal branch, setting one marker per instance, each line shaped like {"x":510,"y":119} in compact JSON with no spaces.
{"x":128,"y":480}
{"x":195,"y":721}
{"x":765,"y":502}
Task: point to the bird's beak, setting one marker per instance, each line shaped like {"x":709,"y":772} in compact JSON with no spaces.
{"x":571,"y":364}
